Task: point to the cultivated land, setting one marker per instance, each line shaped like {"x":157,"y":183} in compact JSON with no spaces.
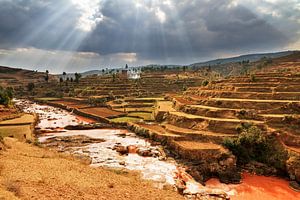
{"x":194,"y":113}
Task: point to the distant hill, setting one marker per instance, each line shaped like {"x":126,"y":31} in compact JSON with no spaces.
{"x":250,"y":57}
{"x":17,"y":77}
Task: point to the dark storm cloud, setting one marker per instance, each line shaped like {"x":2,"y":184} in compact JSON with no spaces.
{"x":192,"y":27}
{"x":38,"y":23}
{"x":155,"y":30}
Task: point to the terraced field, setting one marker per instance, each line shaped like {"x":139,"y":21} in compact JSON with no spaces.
{"x":150,"y":85}
{"x":198,"y":122}
{"x":19,"y":127}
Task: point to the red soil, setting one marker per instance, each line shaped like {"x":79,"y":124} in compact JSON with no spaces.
{"x":258,"y":188}
{"x":102,"y":112}
{"x":72,"y":104}
{"x":84,"y":119}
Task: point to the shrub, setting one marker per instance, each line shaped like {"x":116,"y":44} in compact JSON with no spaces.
{"x":254,"y":145}
{"x":37,"y":143}
{"x":6,"y":96}
{"x":253,"y":78}
{"x":242,"y":113}
{"x":205,"y":83}
{"x":30,"y":87}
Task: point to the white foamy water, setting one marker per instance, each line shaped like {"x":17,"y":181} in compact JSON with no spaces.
{"x":162,"y":172}
{"x":102,"y":154}
{"x":50,"y":117}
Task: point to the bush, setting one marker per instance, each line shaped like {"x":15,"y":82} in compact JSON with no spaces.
{"x":98,"y":101}
{"x":6,"y":96}
{"x":30,"y":87}
{"x":254,"y":145}
{"x":253,"y":78}
{"x":205,"y":83}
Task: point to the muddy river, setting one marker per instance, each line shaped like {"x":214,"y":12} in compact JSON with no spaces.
{"x":140,"y":155}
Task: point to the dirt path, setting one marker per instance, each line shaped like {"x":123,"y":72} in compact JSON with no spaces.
{"x":29,"y":172}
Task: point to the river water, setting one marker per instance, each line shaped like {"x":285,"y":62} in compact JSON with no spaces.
{"x":161,"y":171}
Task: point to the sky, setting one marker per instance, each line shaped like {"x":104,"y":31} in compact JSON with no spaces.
{"x":82,"y":35}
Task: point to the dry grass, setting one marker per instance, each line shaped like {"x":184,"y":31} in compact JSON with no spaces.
{"x":125,"y":119}
{"x":16,"y":132}
{"x":26,"y":118}
{"x":143,"y":115}
{"x":44,"y":174}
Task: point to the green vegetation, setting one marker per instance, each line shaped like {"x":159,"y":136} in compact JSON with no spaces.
{"x":205,"y":83}
{"x":254,"y":145}
{"x":98,"y":101}
{"x":6,"y":96}
{"x":47,"y":99}
{"x":47,"y":76}
{"x":144,"y":115}
{"x":30,"y":87}
{"x":253,"y":78}
{"x":77,"y":77}
{"x":126,"y":119}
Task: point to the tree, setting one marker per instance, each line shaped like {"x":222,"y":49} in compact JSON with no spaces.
{"x":72,"y":79}
{"x":64,"y":75}
{"x":10,"y":92}
{"x":77,"y":77}
{"x":6,"y":96}
{"x":126,"y":66}
{"x":30,"y":87}
{"x":47,"y":76}
{"x":61,"y":80}
{"x":252,"y":144}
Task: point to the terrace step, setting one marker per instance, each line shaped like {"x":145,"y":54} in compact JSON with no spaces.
{"x":218,"y":112}
{"x":254,"y":89}
{"x":190,"y":116}
{"x":204,"y":136}
{"x":195,"y":150}
{"x":195,"y":145}
{"x":202,"y":123}
{"x":257,"y":100}
{"x":258,"y":104}
{"x":157,"y":132}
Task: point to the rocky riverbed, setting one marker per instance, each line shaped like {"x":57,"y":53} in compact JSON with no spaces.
{"x":122,"y":150}
{"x":117,"y":149}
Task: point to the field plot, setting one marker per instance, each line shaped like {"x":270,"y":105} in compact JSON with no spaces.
{"x":102,"y":112}
{"x":20,"y":128}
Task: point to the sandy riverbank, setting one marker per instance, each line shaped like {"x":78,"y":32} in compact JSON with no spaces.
{"x":29,"y":172}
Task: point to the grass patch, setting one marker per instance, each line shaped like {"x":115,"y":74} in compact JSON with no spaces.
{"x":125,"y":119}
{"x":47,"y":99}
{"x":154,"y":99}
{"x":144,"y":115}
